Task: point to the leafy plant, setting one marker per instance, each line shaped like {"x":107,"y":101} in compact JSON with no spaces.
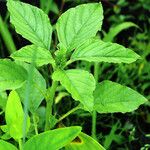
{"x":76,"y":30}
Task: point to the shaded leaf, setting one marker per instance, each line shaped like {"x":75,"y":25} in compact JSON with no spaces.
{"x":3,"y":100}
{"x":37,"y":88}
{"x":12,"y":76}
{"x":117,"y":29}
{"x":112,"y":97}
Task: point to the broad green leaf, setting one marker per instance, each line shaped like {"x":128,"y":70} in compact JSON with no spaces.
{"x":79,"y":24}
{"x":26,"y":54}
{"x":117,"y":29}
{"x":112,"y":97}
{"x":31,"y":22}
{"x":53,"y":140}
{"x":79,"y":83}
{"x":37,"y":88}
{"x":84,"y":142}
{"x":3,"y":100}
{"x":95,"y":50}
{"x":12,"y":76}
{"x":6,"y":146}
{"x":14,"y":116}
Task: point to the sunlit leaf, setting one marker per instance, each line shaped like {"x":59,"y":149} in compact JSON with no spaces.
{"x":112,"y":97}
{"x":79,"y":24}
{"x":79,"y":83}
{"x":27,"y":54}
{"x":84,"y":142}
{"x":95,"y":50}
{"x":31,"y":22}
{"x":14,"y":116}
{"x":6,"y":146}
{"x":53,"y":140}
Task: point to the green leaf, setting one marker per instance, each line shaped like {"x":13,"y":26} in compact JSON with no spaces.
{"x":26,"y":54}
{"x":117,"y":29}
{"x":79,"y":24}
{"x":12,"y":76}
{"x":84,"y":142}
{"x":53,"y":140}
{"x":6,"y":136}
{"x":3,"y":100}
{"x":31,"y":22}
{"x":37,"y":86}
{"x":79,"y":83}
{"x":6,"y":146}
{"x":112,"y":97}
{"x":95,"y":50}
{"x":14,"y":116}
{"x":4,"y":128}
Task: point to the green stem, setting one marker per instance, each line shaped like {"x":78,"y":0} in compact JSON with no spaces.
{"x":49,"y":104}
{"x":20,"y":144}
{"x":35,"y":124}
{"x":68,"y":113}
{"x":94,"y":114}
{"x":96,"y":71}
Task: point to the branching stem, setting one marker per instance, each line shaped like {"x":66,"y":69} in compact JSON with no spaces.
{"x":68,"y":113}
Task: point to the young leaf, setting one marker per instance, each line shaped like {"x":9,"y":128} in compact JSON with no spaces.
{"x":84,"y":142}
{"x":79,"y":83}
{"x":37,"y":86}
{"x":79,"y":24}
{"x":6,"y":146}
{"x":12,"y":76}
{"x":112,"y":97}
{"x":14,"y":116}
{"x":94,"y":50}
{"x":53,"y":140}
{"x":31,"y":22}
{"x":26,"y":54}
{"x":117,"y":29}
